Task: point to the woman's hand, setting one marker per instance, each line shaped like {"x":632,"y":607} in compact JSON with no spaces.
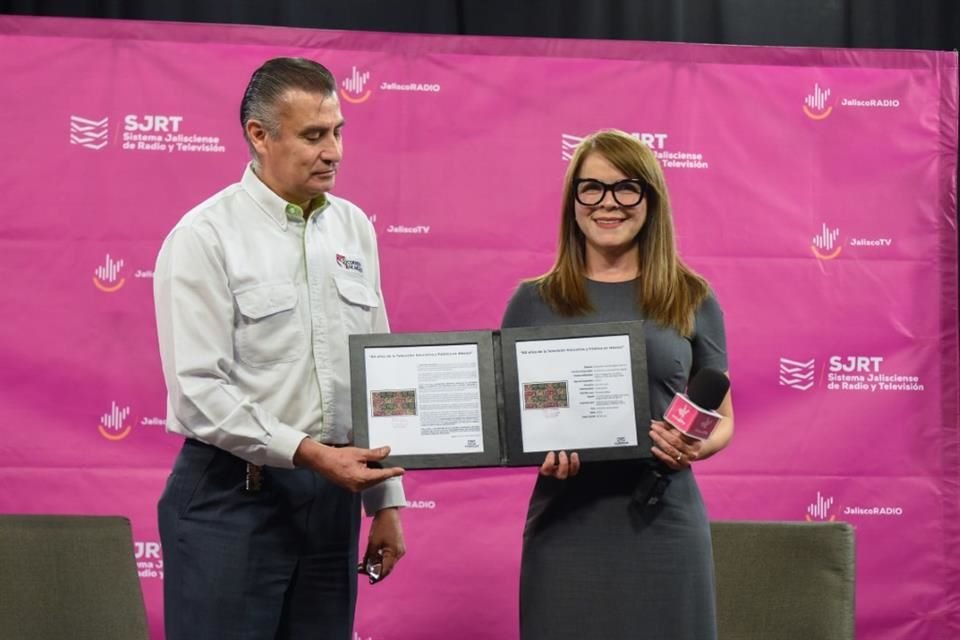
{"x":560,"y":466}
{"x":676,"y":449}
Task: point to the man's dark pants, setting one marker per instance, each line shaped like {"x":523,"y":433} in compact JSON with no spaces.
{"x":278,"y":562}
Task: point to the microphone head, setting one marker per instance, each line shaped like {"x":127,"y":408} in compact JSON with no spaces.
{"x":708,"y":388}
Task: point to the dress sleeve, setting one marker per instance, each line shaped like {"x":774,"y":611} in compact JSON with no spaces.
{"x":709,"y":338}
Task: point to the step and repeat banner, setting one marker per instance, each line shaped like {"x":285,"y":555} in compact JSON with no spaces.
{"x":815,"y":188}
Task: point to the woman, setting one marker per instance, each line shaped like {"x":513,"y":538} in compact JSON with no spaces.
{"x":599,"y":563}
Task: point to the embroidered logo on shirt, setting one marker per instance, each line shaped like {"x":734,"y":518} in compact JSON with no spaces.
{"x":350,"y":265}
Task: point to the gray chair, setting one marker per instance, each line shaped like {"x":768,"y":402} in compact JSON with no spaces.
{"x":784,"y":580}
{"x":69,"y":577}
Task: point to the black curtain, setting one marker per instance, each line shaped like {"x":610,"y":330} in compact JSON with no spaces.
{"x":902,"y":24}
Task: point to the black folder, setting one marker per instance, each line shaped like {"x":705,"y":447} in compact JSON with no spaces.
{"x":500,"y":440}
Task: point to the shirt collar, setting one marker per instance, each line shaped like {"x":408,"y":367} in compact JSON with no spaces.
{"x":272,"y":204}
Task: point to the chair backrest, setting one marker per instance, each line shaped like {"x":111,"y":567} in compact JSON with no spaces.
{"x":784,"y":580}
{"x":69,"y":577}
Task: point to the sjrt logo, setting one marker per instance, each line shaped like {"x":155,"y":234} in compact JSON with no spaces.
{"x":795,"y":374}
{"x":569,"y":142}
{"x":149,"y":559}
{"x":91,"y":134}
{"x":154,"y":124}
{"x":858,"y":364}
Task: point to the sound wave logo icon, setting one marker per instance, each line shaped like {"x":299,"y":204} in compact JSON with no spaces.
{"x":820,"y":510}
{"x":825,"y":244}
{"x":815,"y":104}
{"x":112,"y":425}
{"x":796,"y":375}
{"x":352,"y":90}
{"x":91,"y":134}
{"x":568,"y":144}
{"x":107,"y":277}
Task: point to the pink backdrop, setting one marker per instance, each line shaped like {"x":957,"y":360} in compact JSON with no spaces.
{"x":815,"y":188}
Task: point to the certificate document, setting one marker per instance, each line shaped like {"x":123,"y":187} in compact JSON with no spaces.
{"x":576,"y":393}
{"x":424,"y":399}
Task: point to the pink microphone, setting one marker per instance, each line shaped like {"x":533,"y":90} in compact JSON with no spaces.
{"x":694,"y":413}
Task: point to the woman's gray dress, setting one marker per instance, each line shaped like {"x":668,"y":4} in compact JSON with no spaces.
{"x":595,"y":566}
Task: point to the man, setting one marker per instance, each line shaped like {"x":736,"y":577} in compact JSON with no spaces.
{"x":256,"y":291}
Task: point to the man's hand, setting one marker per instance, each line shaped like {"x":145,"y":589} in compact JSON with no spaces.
{"x":562,"y":466}
{"x":385,"y":545}
{"x":345,"y":466}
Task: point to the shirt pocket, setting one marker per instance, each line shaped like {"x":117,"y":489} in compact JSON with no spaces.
{"x":270,"y":330}
{"x":358,"y":303}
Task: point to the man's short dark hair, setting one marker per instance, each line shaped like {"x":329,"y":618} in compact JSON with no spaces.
{"x":272,"y":80}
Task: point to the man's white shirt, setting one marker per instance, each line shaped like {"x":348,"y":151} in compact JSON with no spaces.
{"x":254,"y":307}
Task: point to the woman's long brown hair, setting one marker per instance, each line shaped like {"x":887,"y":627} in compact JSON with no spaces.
{"x":668,"y":291}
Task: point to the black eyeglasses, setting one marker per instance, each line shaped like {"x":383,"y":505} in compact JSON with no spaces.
{"x":626,"y":193}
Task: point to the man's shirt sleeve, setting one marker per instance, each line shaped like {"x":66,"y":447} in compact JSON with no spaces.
{"x":195,"y":326}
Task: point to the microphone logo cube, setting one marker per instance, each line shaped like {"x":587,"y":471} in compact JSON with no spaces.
{"x":691,"y":419}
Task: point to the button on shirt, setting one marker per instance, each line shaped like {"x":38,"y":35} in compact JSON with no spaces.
{"x":254,"y":306}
